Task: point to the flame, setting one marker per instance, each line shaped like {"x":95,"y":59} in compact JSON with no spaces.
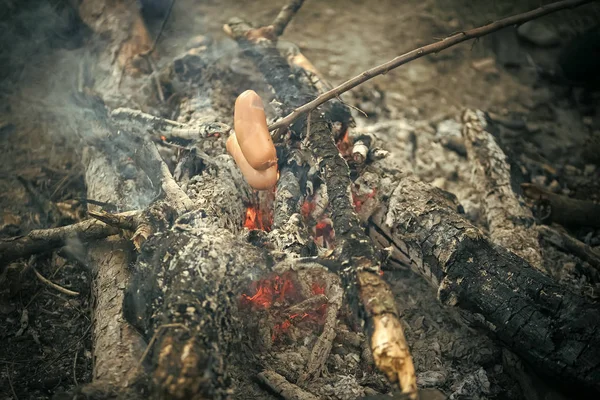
{"x":277,"y":293}
{"x":257,"y":219}
{"x":344,"y":145}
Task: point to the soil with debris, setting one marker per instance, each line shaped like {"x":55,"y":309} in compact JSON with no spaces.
{"x":547,"y":120}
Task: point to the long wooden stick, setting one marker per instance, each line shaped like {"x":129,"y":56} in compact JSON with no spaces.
{"x":285,"y":16}
{"x":423,"y":51}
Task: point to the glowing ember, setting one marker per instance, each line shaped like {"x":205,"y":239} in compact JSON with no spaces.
{"x":358,"y":200}
{"x":257,"y":219}
{"x":308,"y":207}
{"x":163,"y":138}
{"x":344,"y":145}
{"x":279,"y":289}
{"x":324,"y":234}
{"x":278,"y":293}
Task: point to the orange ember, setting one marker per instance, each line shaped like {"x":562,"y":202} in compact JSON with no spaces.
{"x":257,"y":219}
{"x":279,"y":289}
{"x":360,"y":200}
{"x":308,"y":207}
{"x":324,"y":234}
{"x":276,"y":294}
{"x":344,"y":145}
{"x":163,"y":138}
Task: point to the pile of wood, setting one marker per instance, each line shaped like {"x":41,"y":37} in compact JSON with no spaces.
{"x":219,"y":306}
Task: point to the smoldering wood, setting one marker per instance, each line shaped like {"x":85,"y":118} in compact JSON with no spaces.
{"x":543,"y":323}
{"x":563,"y":210}
{"x":359,"y":266}
{"x":509,"y":221}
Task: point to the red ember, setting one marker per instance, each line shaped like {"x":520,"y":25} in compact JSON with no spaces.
{"x":276,"y":294}
{"x":344,"y":145}
{"x":257,"y":219}
{"x":360,"y":200}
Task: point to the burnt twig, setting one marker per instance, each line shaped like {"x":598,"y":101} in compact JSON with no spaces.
{"x":285,"y":16}
{"x":423,"y":51}
{"x":565,"y":210}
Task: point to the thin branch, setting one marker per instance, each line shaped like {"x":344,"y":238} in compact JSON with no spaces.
{"x":564,"y":241}
{"x":54,"y":285}
{"x":423,"y":51}
{"x":44,"y":240}
{"x":285,"y":16}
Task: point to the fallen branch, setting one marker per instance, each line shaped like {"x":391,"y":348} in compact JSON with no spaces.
{"x":423,"y":51}
{"x":44,"y":240}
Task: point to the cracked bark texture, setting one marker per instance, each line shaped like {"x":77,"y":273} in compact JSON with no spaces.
{"x":549,"y":327}
{"x":510,"y":221}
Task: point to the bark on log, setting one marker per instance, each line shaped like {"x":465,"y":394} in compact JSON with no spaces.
{"x":116,"y":346}
{"x":509,"y":221}
{"x":551,"y":328}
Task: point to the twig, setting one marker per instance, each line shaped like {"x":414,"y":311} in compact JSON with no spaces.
{"x":566,"y":242}
{"x":54,"y":285}
{"x":284,"y":388}
{"x":423,"y":51}
{"x":44,"y":240}
{"x":285,"y":16}
{"x":160,"y":31}
{"x":75,"y":366}
{"x":10,"y":384}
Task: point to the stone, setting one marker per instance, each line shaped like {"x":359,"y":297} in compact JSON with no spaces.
{"x":538,"y":33}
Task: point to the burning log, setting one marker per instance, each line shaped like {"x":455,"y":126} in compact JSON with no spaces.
{"x":523,"y":308}
{"x":359,"y":270}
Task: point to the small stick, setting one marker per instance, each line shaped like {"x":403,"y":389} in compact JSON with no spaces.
{"x":284,"y":388}
{"x":12,"y":389}
{"x":285,"y":16}
{"x":423,"y":51}
{"x":54,"y":285}
{"x":565,"y":242}
{"x":75,"y":366}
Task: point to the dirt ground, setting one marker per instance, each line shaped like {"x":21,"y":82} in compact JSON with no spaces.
{"x":547,"y":127}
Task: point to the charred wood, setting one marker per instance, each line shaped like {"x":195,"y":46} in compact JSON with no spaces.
{"x":541,"y":321}
{"x":509,"y":221}
{"x":566,"y":242}
{"x":563,"y":210}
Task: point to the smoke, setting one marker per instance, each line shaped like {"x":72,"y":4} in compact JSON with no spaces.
{"x":30,"y":28}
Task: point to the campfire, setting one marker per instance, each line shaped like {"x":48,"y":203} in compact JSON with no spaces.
{"x":233,"y":216}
